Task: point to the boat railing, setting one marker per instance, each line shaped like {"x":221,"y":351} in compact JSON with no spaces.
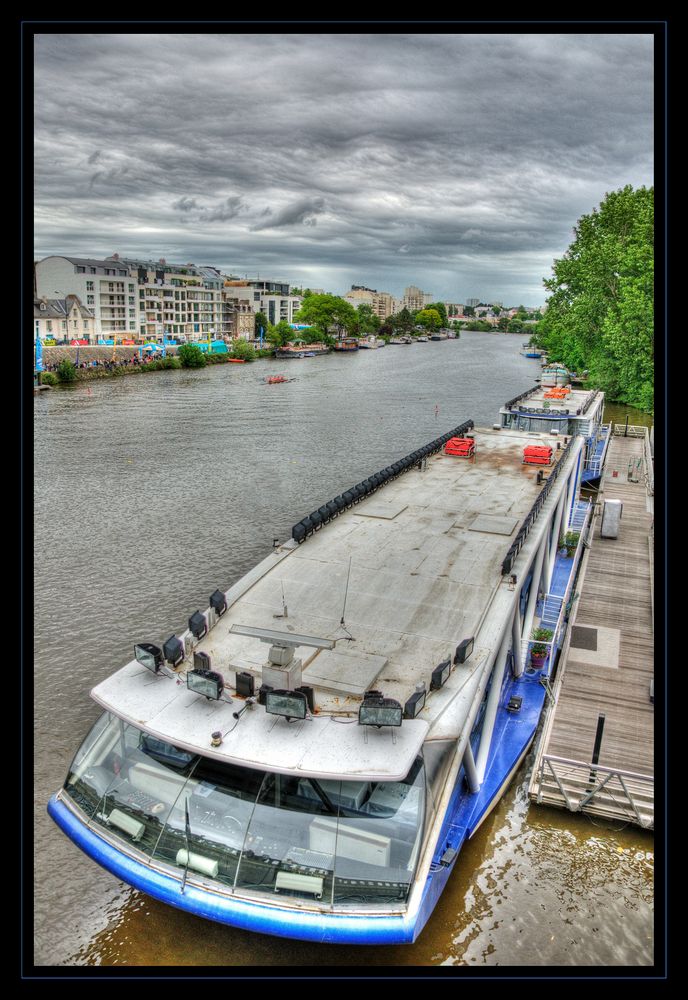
{"x":595,"y":788}
{"x":630,"y":430}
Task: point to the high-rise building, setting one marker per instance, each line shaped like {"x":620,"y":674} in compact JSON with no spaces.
{"x":472,"y":302}
{"x":382,"y":303}
{"x":105,"y":287}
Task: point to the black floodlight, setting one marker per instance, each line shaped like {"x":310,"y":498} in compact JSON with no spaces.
{"x":414,"y":705}
{"x":291,"y":704}
{"x":263,"y":693}
{"x":245,"y":684}
{"x":440,"y":675}
{"x":198,"y":626}
{"x":149,"y":656}
{"x":201,"y":661}
{"x":173,"y":650}
{"x":218,"y":601}
{"x":310,"y":697}
{"x":464,"y":650}
{"x":205,"y":682}
{"x":380,"y":712}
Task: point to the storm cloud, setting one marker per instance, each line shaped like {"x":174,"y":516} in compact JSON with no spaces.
{"x":459,"y":163}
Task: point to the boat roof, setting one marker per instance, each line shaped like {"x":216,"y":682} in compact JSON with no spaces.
{"x":397,"y":582}
{"x":580,"y":403}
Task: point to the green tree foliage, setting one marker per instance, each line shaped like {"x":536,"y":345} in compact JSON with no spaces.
{"x":402,"y":322}
{"x":600,"y":314}
{"x":469,"y":311}
{"x":429,"y":319}
{"x":503,"y":323}
{"x":330,"y":314}
{"x":261,"y":320}
{"x":281,"y":334}
{"x":441,"y":309}
{"x":242,"y":350}
{"x":366,"y":321}
{"x":66,"y":371}
{"x":191,"y":356}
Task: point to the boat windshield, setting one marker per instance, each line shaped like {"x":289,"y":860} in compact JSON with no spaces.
{"x":335,"y":842}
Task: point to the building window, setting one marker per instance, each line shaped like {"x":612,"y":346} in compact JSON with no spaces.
{"x":89,"y":286}
{"x":90,"y":300}
{"x":49,"y":325}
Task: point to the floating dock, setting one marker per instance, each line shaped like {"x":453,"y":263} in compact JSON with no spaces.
{"x":596,"y":751}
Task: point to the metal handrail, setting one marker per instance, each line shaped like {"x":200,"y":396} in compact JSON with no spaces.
{"x":596,"y":777}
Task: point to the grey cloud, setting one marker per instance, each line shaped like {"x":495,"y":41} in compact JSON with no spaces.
{"x":304,"y":211}
{"x":449,"y":161}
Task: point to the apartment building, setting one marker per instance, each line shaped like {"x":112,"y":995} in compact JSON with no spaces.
{"x":382,"y":303}
{"x":273,"y":298}
{"x":104,"y":286}
{"x":63,"y":319}
{"x":415,"y":298}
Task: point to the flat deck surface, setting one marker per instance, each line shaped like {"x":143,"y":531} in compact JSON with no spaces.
{"x":610,"y":660}
{"x":572,"y":402}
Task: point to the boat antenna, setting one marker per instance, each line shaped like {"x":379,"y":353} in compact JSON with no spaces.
{"x":187,"y":837}
{"x":285,"y":611}
{"x":342,"y":623}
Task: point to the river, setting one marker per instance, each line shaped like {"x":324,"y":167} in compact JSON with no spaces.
{"x":150,"y":492}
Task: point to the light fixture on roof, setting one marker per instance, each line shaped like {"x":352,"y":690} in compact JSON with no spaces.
{"x":218,"y":601}
{"x":379,"y":711}
{"x":173,"y":650}
{"x":464,"y":650}
{"x":149,"y":656}
{"x":205,"y":682}
{"x":440,"y":675}
{"x":291,"y":704}
{"x":415,"y":703}
{"x":198,"y":625}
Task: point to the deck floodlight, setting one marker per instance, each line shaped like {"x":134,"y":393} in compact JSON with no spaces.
{"x":415,"y":703}
{"x":201,"y":661}
{"x":245,"y":684}
{"x":205,"y":682}
{"x":464,"y":650}
{"x":149,"y":656}
{"x":263,"y":691}
{"x":173,"y":650}
{"x":218,"y":601}
{"x":380,"y":712}
{"x":291,"y":704}
{"x":440,"y":675}
{"x":197,"y":624}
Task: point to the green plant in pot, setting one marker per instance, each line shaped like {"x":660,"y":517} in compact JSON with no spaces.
{"x":571,"y":541}
{"x":539,"y":650}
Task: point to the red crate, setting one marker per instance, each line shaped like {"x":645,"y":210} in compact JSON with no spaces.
{"x":535,"y":454}
{"x":460,"y":447}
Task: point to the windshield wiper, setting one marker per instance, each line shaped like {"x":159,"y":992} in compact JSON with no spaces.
{"x":187,"y":835}
{"x":323,"y":796}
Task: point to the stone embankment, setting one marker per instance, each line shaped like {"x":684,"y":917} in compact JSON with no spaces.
{"x":53,"y":355}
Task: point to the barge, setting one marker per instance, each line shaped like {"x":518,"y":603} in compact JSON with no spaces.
{"x":309,"y":756}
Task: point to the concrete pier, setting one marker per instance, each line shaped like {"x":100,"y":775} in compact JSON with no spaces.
{"x":596,"y":751}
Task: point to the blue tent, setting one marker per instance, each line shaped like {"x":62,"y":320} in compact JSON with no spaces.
{"x":39,"y":355}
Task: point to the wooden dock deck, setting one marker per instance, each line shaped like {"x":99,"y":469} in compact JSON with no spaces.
{"x":607,"y":663}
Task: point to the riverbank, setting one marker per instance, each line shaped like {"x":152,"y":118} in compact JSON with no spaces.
{"x":98,"y":362}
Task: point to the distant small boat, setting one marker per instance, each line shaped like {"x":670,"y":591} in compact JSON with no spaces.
{"x":347,"y":344}
{"x":274,"y":379}
{"x":237,"y":361}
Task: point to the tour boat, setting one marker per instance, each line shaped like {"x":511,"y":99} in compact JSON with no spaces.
{"x":308,"y":757}
{"x":346,"y":344}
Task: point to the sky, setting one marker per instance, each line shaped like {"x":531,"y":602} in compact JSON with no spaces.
{"x":459,"y":163}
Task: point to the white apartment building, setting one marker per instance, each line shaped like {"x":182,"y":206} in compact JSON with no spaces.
{"x":271,"y":298}
{"x":382,"y":303}
{"x":63,"y":319}
{"x":415,"y":298}
{"x":103,"y":286}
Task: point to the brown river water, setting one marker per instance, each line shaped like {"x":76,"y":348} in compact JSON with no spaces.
{"x":153,"y":490}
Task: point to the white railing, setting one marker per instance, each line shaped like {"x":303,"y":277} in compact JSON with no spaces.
{"x":631,"y":431}
{"x":590,"y":787}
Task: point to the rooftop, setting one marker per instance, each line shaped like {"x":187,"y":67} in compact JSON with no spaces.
{"x":423,"y":560}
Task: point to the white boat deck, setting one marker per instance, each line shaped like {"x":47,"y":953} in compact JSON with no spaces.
{"x":424,"y":554}
{"x":575,"y":400}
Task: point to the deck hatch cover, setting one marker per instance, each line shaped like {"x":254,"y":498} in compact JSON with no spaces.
{"x":493,"y":524}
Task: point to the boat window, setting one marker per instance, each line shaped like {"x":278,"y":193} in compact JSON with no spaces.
{"x":438,"y":756}
{"x":126,"y":789}
{"x":219,"y":801}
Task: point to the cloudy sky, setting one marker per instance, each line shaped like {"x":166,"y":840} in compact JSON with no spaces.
{"x":459,"y":163}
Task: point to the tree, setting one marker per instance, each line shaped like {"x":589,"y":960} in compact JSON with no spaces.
{"x":402,"y":322}
{"x":281,"y":334}
{"x":503,"y":323}
{"x":261,"y":320}
{"x":366,"y":320}
{"x":329,"y":313}
{"x":428,"y":318}
{"x":600,"y":314}
{"x":468,"y":311}
{"x":441,"y":309}
{"x":66,"y":370}
{"x":242,"y":350}
{"x":191,"y":356}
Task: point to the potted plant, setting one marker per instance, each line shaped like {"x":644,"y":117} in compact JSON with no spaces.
{"x":571,"y":542}
{"x":539,"y":650}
